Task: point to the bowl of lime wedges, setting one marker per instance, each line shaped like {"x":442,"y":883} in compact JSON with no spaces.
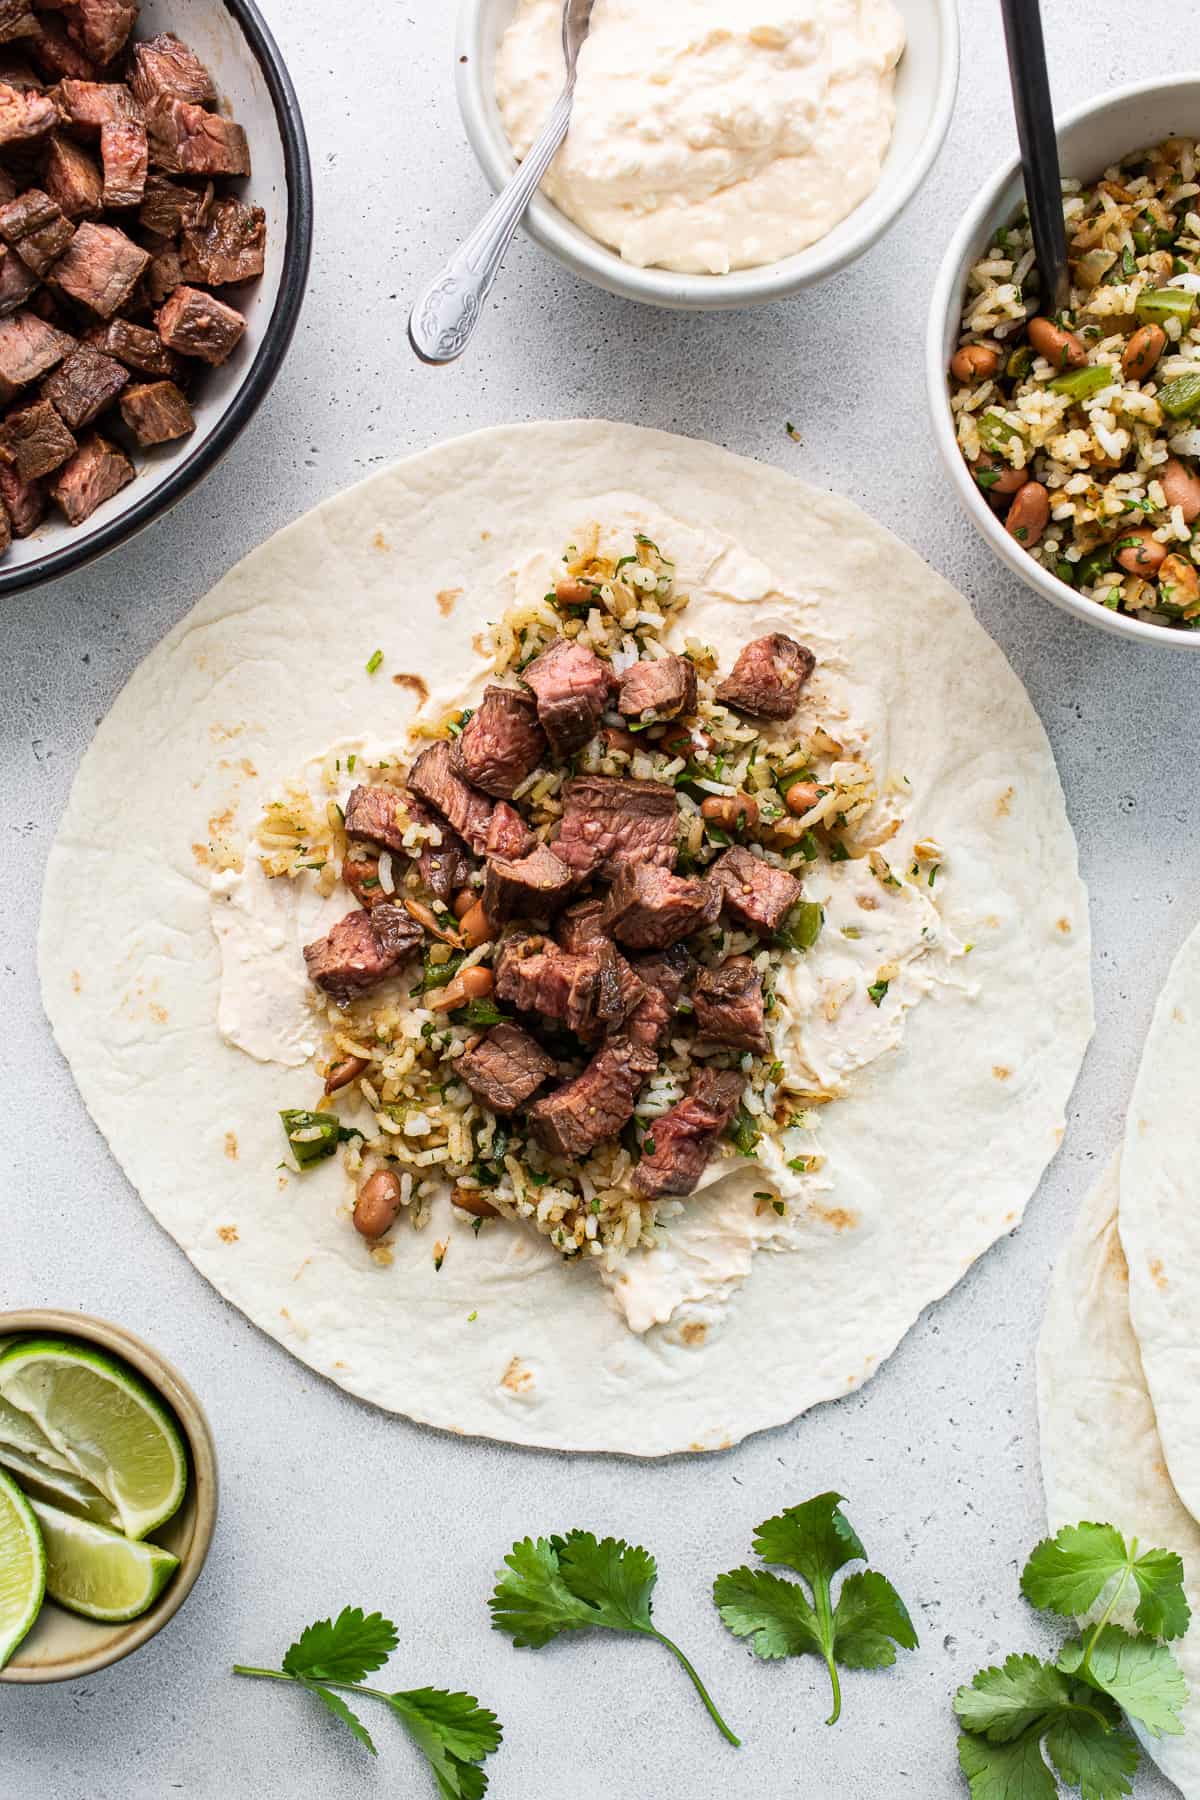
{"x":108,"y":1494}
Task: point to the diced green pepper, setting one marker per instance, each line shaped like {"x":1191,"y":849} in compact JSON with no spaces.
{"x":1091,"y":567}
{"x":1081,"y":384}
{"x":1019,"y":363}
{"x":802,"y":927}
{"x":313,"y":1150}
{"x":743,"y":1133}
{"x":1065,"y":572}
{"x":1181,"y":397}
{"x":995,"y":433}
{"x":1159,"y":304}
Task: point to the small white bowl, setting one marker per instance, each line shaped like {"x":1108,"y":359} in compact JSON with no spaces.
{"x":1091,"y":137}
{"x":926,"y":82}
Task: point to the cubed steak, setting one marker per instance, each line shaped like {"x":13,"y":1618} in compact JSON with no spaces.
{"x":501,"y":742}
{"x":685,"y":1135}
{"x":186,"y":140}
{"x":125,"y":157}
{"x":533,"y":886}
{"x":230,"y":245}
{"x":509,"y":837}
{"x":163,"y":276}
{"x":17,"y":282}
{"x":658,"y":688}
{"x":596,"y":1105}
{"x":362,"y":950}
{"x":16,"y":20}
{"x":169,"y":208}
{"x":506,"y":1069}
{"x":663,"y":976}
{"x":88,"y":106}
{"x":137,"y":348}
{"x":101,"y":28}
{"x":100,"y":268}
{"x":96,"y":472}
{"x":360,"y":872}
{"x":648,"y":908}
{"x":571,"y":988}
{"x":29,"y":349}
{"x":434,"y":779}
{"x":24,"y":501}
{"x":73,"y":179}
{"x":572,"y":688}
{"x":755,"y":892}
{"x":33,"y":226}
{"x":729,"y":1005}
{"x":56,"y":56}
{"x":443,"y":867}
{"x":608,"y":821}
{"x":767,"y":677}
{"x":581,"y":925}
{"x":580,"y":928}
{"x":84,"y":385}
{"x":156,"y":412}
{"x":25,"y":115}
{"x":36,"y":439}
{"x":165,"y":69}
{"x":200,"y":325}
{"x":371,"y":813}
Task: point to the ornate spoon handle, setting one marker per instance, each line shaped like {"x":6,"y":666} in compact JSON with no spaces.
{"x":445,"y":315}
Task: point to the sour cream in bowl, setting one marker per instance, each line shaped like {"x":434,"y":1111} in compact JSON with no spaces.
{"x":721,"y":152}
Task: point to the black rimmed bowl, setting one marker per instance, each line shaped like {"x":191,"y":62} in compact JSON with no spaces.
{"x":254,"y":86}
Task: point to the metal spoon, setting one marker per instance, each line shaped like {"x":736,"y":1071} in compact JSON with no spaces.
{"x":444,"y":317}
{"x":1039,"y":147}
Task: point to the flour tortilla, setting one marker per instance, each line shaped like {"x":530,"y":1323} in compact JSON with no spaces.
{"x":1101,"y":1455}
{"x":934,"y":1152}
{"x":1160,"y":1217}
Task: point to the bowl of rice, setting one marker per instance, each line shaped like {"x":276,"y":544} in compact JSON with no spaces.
{"x":1072,"y":438}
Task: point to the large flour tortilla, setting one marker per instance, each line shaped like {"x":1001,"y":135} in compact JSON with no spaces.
{"x":934,"y":1153}
{"x":1160,"y":1217}
{"x":1101,"y":1454}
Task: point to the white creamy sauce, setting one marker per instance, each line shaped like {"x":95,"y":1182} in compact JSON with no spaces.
{"x":266,"y":1002}
{"x":709,"y":135}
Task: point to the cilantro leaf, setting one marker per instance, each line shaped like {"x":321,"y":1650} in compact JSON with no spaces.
{"x":454,"y":1733}
{"x":337,"y":1706}
{"x":1068,"y":1573}
{"x":1140,"y":1675}
{"x":816,"y":1540}
{"x":578,"y":1583}
{"x":1014,"y":1771}
{"x":1097,"y":1762}
{"x":353,"y":1645}
{"x":1002,"y":1703}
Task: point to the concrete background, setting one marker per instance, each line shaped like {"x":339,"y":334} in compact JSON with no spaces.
{"x":327,"y":1502}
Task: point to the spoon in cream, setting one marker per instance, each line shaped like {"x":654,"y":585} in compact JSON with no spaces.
{"x":446,"y":314}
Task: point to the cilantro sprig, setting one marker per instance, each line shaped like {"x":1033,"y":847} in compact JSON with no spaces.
{"x":1029,"y":1725}
{"x":816,"y":1540}
{"x":454,"y":1733}
{"x":582,"y":1583}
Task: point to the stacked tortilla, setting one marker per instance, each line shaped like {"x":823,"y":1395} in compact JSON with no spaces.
{"x":1119,"y":1355}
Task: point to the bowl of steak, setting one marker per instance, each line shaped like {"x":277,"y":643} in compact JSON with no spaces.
{"x":155,"y":232}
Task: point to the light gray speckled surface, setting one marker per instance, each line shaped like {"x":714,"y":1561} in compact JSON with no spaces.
{"x":326,"y":1501}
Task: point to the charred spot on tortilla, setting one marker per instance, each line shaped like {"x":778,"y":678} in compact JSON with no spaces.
{"x":415,"y":684}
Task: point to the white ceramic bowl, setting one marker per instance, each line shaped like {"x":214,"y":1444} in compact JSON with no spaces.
{"x":253,"y":84}
{"x":1091,"y":137}
{"x":926,"y":82}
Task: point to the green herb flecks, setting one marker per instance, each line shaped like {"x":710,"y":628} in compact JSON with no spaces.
{"x":374,"y":661}
{"x":878,"y":992}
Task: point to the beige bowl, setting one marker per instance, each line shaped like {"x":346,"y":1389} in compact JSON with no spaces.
{"x":61,"y":1645}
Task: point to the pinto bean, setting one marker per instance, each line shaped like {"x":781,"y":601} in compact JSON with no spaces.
{"x":732,"y":812}
{"x":341,"y":1074}
{"x":473,"y":1200}
{"x":1141,"y":553}
{"x":1029,"y":514}
{"x":974,"y":362}
{"x":1141,"y":353}
{"x":570,"y":592}
{"x":463,"y":901}
{"x":614,"y":737}
{"x":377,"y":1204}
{"x":470,"y":984}
{"x":1056,"y":344}
{"x":1182,"y":489}
{"x":681,"y":741}
{"x":801,"y":797}
{"x":1179,"y":585}
{"x":475,"y":927}
{"x":1007,"y":480}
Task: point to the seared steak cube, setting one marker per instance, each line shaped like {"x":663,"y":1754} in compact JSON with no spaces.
{"x":84,"y":385}
{"x":165,"y":69}
{"x":73,"y":179}
{"x":580,"y":928}
{"x":34,"y":227}
{"x":94,"y":474}
{"x":37,"y":440}
{"x":684,"y":1137}
{"x":608,"y":821}
{"x":572,"y":688}
{"x":17,"y":20}
{"x":6,"y":530}
{"x":729,"y":1005}
{"x":509,"y":837}
{"x":501,"y":742}
{"x":124,"y":152}
{"x":506,"y":1069}
{"x":648,"y":908}
{"x":230,"y":245}
{"x":444,"y":867}
{"x":89,"y":105}
{"x":531,"y":887}
{"x":29,"y":349}
{"x":371,"y":813}
{"x":17,"y":282}
{"x":659,"y":688}
{"x":186,"y":140}
{"x":56,"y":56}
{"x":767,"y":677}
{"x":163,"y":276}
{"x":101,"y":268}
{"x":101,"y":28}
{"x":156,"y":412}
{"x":137,"y":348}
{"x":169,"y":208}
{"x":200,"y":325}
{"x":582,"y":925}
{"x":360,"y":872}
{"x":755,"y":892}
{"x":24,"y":501}
{"x":362,"y":950}
{"x":535,"y":976}
{"x":663,"y":976}
{"x":596,"y":1105}
{"x":24,"y":115}
{"x":434,"y":779}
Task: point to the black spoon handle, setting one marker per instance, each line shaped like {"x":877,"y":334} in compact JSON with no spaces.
{"x":1039,"y":146}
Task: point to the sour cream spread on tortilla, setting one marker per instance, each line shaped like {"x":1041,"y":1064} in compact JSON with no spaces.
{"x":709,"y":135}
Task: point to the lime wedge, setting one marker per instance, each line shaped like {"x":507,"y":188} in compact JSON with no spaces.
{"x":97,"y":1572}
{"x":18,"y":1432}
{"x":105,"y":1421}
{"x":58,"y":1487}
{"x":22,"y":1567}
